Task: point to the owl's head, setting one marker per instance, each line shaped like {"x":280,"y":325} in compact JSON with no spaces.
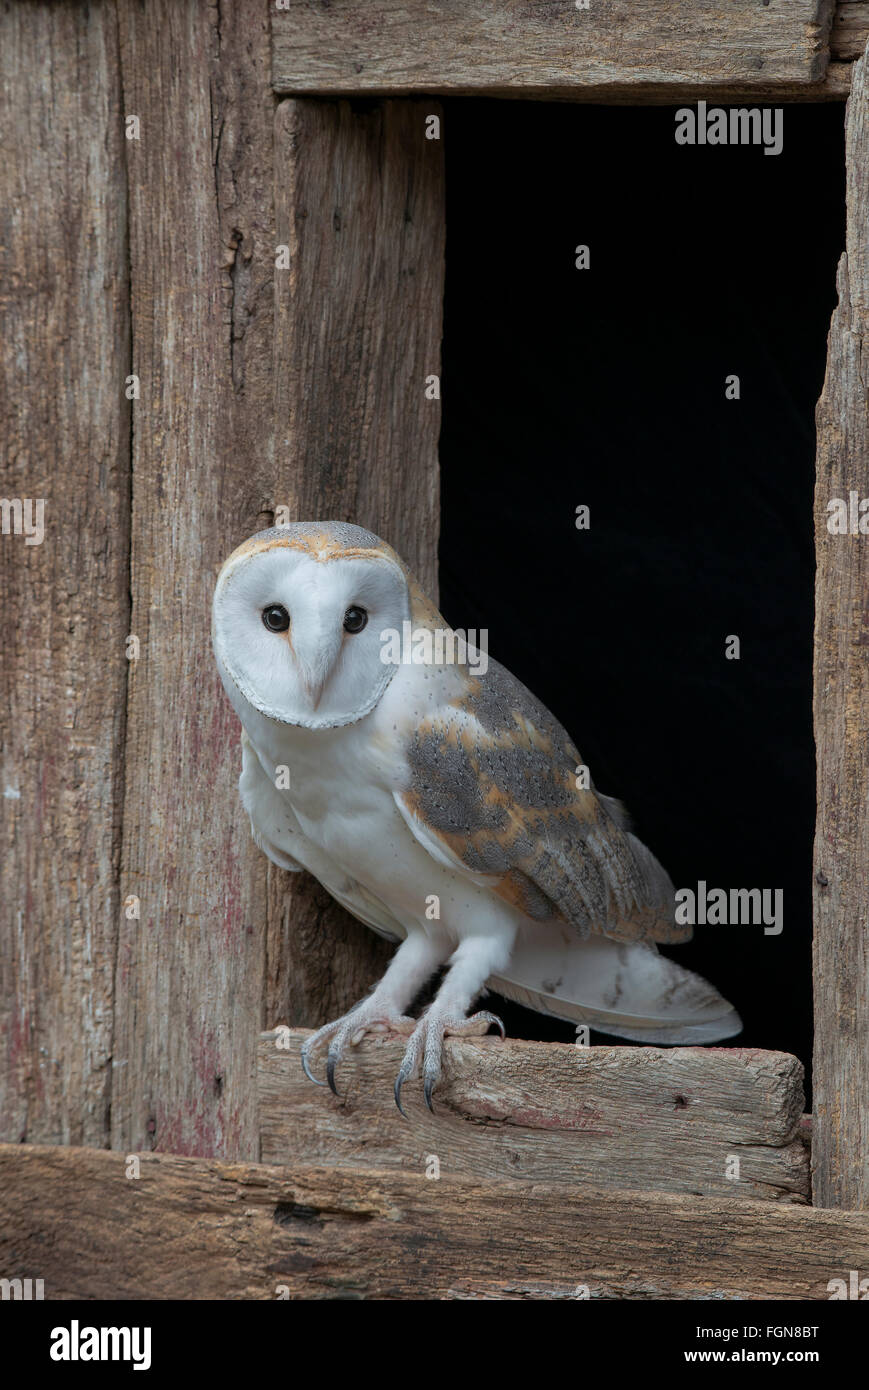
{"x":297,"y":619}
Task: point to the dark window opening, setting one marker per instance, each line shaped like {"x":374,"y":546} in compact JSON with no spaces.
{"x":606,"y":387}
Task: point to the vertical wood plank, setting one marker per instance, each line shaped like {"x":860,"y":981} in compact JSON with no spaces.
{"x":840,"y":1148}
{"x":64,"y":422}
{"x":190,"y":970}
{"x":360,"y":207}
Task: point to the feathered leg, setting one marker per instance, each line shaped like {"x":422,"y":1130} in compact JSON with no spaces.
{"x":415,"y":961}
{"x":470,"y":966}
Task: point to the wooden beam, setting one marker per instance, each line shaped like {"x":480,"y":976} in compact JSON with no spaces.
{"x":672,"y":1119}
{"x":86,"y":1224}
{"x":850,"y":30}
{"x":836,"y":86}
{"x":190,"y":967}
{"x":360,"y":209}
{"x":471,"y":47}
{"x":841,"y":709}
{"x":65,"y":430}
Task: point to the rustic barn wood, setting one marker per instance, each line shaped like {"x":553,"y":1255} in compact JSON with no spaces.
{"x":65,"y":429}
{"x":190,"y":968}
{"x":841,"y":858}
{"x":258,"y":387}
{"x":850,"y":30}
{"x":652,"y":1118}
{"x":199,"y":1228}
{"x":360,"y":209}
{"x":520,"y":46}
{"x":836,"y":86}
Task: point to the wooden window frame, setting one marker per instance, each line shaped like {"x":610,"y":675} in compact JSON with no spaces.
{"x":801,"y":52}
{"x":260,"y":387}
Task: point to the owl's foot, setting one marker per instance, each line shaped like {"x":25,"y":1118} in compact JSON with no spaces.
{"x":427,"y":1042}
{"x":367,"y":1017}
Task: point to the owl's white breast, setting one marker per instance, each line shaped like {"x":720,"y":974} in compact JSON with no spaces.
{"x":339,"y":819}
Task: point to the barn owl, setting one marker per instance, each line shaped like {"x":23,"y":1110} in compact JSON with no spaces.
{"x":438,"y":801}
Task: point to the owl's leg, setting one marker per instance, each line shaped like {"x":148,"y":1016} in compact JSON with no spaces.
{"x":415,"y":961}
{"x":476,"y":959}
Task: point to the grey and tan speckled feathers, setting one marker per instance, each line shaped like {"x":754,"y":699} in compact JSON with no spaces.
{"x":494,"y":781}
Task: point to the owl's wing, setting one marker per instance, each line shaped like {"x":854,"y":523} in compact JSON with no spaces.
{"x":493,"y":794}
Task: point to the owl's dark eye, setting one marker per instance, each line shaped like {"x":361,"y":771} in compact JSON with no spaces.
{"x":276,"y":617}
{"x":355,"y":619}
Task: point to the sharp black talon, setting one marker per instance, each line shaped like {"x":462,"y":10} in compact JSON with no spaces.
{"x":399,"y":1082}
{"x":310,"y":1075}
{"x":331,"y":1063}
{"x":427,"y":1089}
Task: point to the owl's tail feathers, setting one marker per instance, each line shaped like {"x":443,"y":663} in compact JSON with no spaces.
{"x":625,"y":989}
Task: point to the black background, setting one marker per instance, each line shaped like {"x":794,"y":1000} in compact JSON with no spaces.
{"x":606,"y":387}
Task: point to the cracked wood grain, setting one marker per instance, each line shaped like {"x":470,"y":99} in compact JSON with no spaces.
{"x":520,"y":47}
{"x":249,"y":1231}
{"x":64,"y":354}
{"x":840,"y":1154}
{"x":671,"y":1119}
{"x":190,"y":971}
{"x":850,"y":30}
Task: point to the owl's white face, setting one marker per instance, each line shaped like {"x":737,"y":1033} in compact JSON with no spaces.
{"x":300,"y":637}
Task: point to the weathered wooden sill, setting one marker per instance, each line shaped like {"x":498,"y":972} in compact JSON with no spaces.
{"x":190,"y":1228}
{"x":706,"y":1121}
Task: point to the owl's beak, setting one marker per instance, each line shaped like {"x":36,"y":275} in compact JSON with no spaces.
{"x":315,"y":673}
{"x":313,"y":686}
{"x":316,"y":651}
